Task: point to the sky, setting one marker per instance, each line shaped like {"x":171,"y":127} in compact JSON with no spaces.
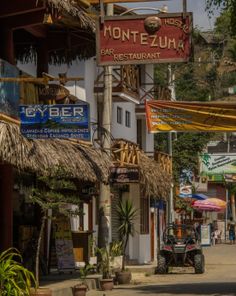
{"x":200,"y":17}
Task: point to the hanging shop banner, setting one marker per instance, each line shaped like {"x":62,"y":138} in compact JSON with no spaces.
{"x":144,"y":39}
{"x":165,"y":116}
{"x":124,"y":175}
{"x":55,"y":121}
{"x":218,"y":163}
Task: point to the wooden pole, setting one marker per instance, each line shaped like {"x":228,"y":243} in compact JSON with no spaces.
{"x":40,"y":80}
{"x":6,"y":210}
{"x":104,"y":228}
{"x":42,"y":58}
{"x":184,"y":8}
{"x":7,"y":44}
{"x":232,"y":200}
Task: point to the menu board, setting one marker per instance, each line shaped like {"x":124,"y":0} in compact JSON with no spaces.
{"x":220,"y":226}
{"x":63,"y":243}
{"x":205,"y":235}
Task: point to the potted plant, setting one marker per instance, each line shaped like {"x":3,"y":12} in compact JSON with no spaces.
{"x":106,"y":283}
{"x":52,"y":192}
{"x":81,"y":288}
{"x":127,"y":215}
{"x":92,"y":248}
{"x":116,"y":254}
{"x":15,"y":279}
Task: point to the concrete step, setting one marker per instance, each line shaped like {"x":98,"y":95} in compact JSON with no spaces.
{"x":61,"y":285}
{"x":146,"y":268}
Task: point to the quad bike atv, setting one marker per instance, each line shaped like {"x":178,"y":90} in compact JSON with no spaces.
{"x":180,"y":248}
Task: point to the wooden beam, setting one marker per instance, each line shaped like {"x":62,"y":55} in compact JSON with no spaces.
{"x":43,"y":80}
{"x":121,"y":1}
{"x":57,"y":42}
{"x":23,"y":20}
{"x":13,"y":8}
{"x":37,"y":31}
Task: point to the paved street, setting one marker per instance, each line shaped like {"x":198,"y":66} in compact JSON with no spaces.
{"x":219,"y":278}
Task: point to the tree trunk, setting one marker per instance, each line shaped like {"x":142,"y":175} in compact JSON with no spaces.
{"x":38,"y":248}
{"x":123,"y":259}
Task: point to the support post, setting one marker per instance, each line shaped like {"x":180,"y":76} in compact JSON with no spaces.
{"x":6,"y":210}
{"x":232,"y":203}
{"x":170,"y":152}
{"x":184,"y":8}
{"x":226,"y":213}
{"x":104,"y":231}
{"x":42,"y":58}
{"x":7,"y":50}
{"x":171,"y":199}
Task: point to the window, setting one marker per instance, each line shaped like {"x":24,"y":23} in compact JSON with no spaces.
{"x":127,"y":119}
{"x":139,"y":133}
{"x":144,"y":215}
{"x":119,"y":115}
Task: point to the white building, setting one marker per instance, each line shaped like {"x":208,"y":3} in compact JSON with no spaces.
{"x":126,"y":124}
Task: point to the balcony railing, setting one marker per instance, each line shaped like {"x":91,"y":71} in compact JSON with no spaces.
{"x":164,"y":160}
{"x":125,"y":153}
{"x":153,"y":91}
{"x":125,"y":82}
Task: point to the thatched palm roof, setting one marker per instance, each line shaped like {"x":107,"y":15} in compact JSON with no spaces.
{"x":72,"y":9}
{"x":79,"y":160}
{"x":41,"y":156}
{"x":76,"y":27}
{"x":157,"y":182}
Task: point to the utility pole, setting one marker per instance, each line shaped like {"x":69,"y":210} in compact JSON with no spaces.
{"x":104,"y":226}
{"x":170,"y":152}
{"x":171,"y":86}
{"x":226,"y":212}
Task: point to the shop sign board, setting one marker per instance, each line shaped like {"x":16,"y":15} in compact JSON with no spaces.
{"x":124,"y":175}
{"x":52,"y":92}
{"x":63,"y":244}
{"x":185,"y":190}
{"x":205,"y":235}
{"x":218,"y":163}
{"x":230,"y":178}
{"x":166,"y":116}
{"x":143,"y":39}
{"x":55,"y":121}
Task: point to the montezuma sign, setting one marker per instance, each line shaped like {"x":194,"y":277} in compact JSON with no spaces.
{"x":165,"y":116}
{"x":144,"y":39}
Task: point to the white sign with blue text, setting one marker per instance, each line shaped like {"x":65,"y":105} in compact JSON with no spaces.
{"x":55,"y":121}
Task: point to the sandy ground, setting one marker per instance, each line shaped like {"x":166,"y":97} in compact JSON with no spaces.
{"x":219,"y":278}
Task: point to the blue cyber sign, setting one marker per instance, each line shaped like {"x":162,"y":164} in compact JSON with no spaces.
{"x":55,"y":121}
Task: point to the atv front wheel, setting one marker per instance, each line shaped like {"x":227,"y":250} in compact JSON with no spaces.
{"x":161,"y":265}
{"x":199,"y":263}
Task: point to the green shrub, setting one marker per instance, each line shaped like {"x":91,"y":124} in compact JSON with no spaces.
{"x":15,"y":279}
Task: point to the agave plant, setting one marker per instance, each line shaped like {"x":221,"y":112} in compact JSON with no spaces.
{"x":127,"y":215}
{"x":15,"y":279}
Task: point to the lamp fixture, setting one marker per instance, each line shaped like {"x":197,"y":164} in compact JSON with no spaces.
{"x":47,"y":19}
